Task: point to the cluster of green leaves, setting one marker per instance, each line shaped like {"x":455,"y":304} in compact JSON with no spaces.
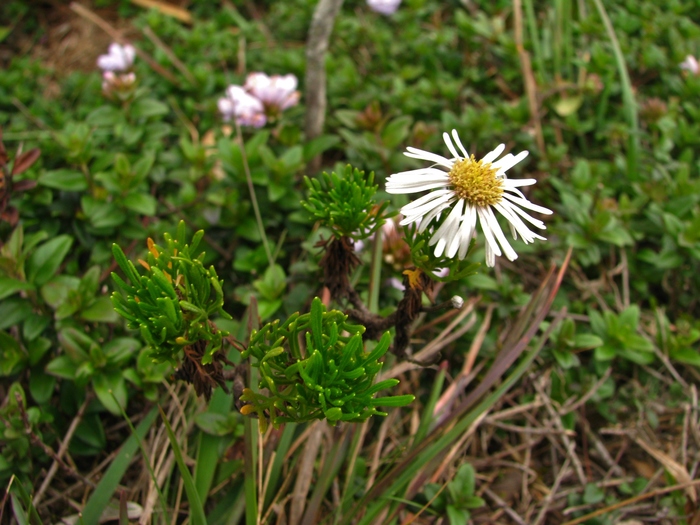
{"x":19,"y":422}
{"x":423,"y":256}
{"x":173,"y":303}
{"x":329,"y":377}
{"x":346,"y":203}
{"x":457,"y":500}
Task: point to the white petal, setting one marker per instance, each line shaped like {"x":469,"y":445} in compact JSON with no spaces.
{"x":413,"y":187}
{"x":425,"y":199}
{"x":490,"y":157}
{"x":412,"y":213}
{"x":535,"y":222}
{"x":450,"y":146}
{"x":507,"y":210}
{"x":509,"y":161}
{"x":527,"y":204}
{"x":466,"y":230}
{"x":486,"y":227}
{"x":518,"y":183}
{"x":490,"y":256}
{"x":450,"y":227}
{"x":415,"y":153}
{"x":431,"y":215}
{"x":498,"y":232}
{"x":440,"y":246}
{"x":422,"y":174}
{"x":455,"y":136}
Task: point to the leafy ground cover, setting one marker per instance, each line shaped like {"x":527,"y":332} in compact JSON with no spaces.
{"x":559,"y":387}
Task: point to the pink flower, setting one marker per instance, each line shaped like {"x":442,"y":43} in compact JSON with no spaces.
{"x":385,"y":7}
{"x":119,"y":86}
{"x":277,"y":92}
{"x":245,"y":108}
{"x":690,"y":64}
{"x":118,"y":58}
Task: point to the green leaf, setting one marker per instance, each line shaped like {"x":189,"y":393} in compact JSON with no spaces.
{"x":37,"y":349}
{"x":9,"y":286}
{"x":56,"y":291}
{"x":11,"y":355}
{"x":46,"y":259}
{"x":13,"y":311}
{"x":396,"y":131}
{"x":101,"y":310}
{"x":566,"y":359}
{"x":63,"y":367}
{"x":686,"y":355}
{"x":64,"y":179}
{"x":105,"y":116}
{"x":587,"y":341}
{"x":143,"y":203}
{"x":41,"y":386}
{"x":148,"y":107}
{"x":110,"y":389}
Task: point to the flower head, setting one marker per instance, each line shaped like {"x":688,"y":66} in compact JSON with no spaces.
{"x":245,"y":108}
{"x":470,"y":189}
{"x":690,"y":64}
{"x":276,"y":92}
{"x":385,"y":7}
{"x":120,"y":86}
{"x":118,"y":58}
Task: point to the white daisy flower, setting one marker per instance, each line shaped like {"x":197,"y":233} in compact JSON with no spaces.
{"x":469,"y":189}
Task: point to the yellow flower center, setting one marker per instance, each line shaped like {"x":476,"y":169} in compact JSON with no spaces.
{"x":476,"y":182}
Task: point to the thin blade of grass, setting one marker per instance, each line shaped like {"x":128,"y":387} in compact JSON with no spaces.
{"x":197,"y":516}
{"x":108,"y":484}
{"x":628,"y":100}
{"x":429,"y":409}
{"x":251,"y":458}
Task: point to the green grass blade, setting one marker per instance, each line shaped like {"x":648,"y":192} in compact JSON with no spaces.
{"x":628,"y":100}
{"x":113,"y":475}
{"x":427,"y":418}
{"x":251,"y":456}
{"x":208,"y":456}
{"x":197,"y":516}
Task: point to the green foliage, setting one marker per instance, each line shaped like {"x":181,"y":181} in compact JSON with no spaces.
{"x":458,"y":499}
{"x":18,"y":421}
{"x":329,"y":377}
{"x":620,"y":337}
{"x":173,"y":303}
{"x":346,"y":203}
{"x":423,"y":256}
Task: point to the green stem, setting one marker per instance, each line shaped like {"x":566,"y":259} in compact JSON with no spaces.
{"x":253,"y":198}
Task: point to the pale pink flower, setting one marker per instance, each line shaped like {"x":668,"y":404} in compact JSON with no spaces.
{"x":384,"y":7}
{"x":120,"y":86}
{"x":276,"y":92}
{"x":690,"y":64}
{"x":245,"y":108}
{"x":118,"y":58}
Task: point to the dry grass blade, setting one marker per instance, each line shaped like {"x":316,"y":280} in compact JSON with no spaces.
{"x":167,"y":9}
{"x":674,"y":468}
{"x":305,"y":473}
{"x":517,"y":340}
